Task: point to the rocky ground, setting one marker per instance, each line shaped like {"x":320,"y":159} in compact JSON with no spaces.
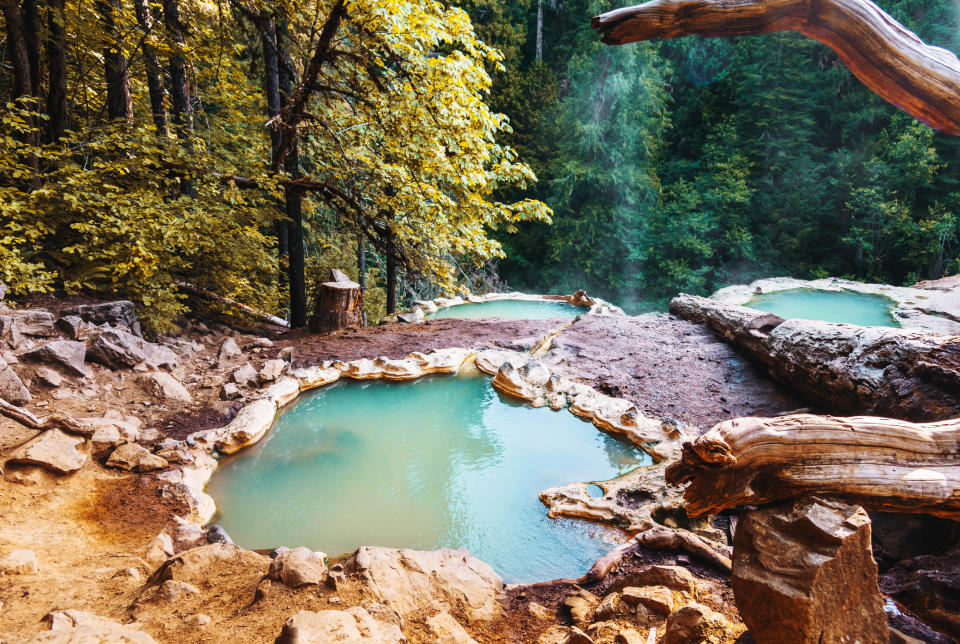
{"x":92,"y":548}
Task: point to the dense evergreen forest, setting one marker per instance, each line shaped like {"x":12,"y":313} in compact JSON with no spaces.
{"x":689,"y":164}
{"x":155,"y":150}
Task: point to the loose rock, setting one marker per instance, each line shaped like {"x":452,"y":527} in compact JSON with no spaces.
{"x":62,"y":353}
{"x":297,"y":567}
{"x":80,"y":627}
{"x":271,"y":370}
{"x":54,"y":450}
{"x":447,"y":630}
{"x":695,"y":623}
{"x":48,"y":377}
{"x":132,"y":456}
{"x":117,"y":313}
{"x":164,"y":386}
{"x":352,"y":625}
{"x":19,"y":562}
{"x":12,"y":388}
{"x":804,"y":572}
{"x":116,"y":349}
{"x":245,"y":375}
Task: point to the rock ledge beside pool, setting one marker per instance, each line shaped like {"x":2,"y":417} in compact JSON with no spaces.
{"x":935,"y":307}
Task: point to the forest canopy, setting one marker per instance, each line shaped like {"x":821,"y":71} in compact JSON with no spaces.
{"x":246,"y":146}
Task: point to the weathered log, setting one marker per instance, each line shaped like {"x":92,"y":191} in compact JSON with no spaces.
{"x":249,"y":310}
{"x":338,"y":304}
{"x":53,"y":421}
{"x":879,"y":463}
{"x":849,"y":369}
{"x":920,"y":79}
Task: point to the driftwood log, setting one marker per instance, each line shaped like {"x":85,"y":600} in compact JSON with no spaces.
{"x":849,"y":369}
{"x":879,"y":463}
{"x":338,"y":305}
{"x":256,"y":314}
{"x":920,"y":79}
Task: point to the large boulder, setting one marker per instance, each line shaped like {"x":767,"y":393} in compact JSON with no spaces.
{"x":32,"y":322}
{"x":115,"y":348}
{"x":414,"y":582}
{"x":118,"y":313}
{"x":54,"y":450}
{"x":803,"y":572}
{"x":208,"y":566}
{"x":62,"y":353}
{"x":352,"y":626}
{"x":696,"y":623}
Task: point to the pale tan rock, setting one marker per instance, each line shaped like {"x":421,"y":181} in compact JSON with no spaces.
{"x":19,"y":562}
{"x":80,"y":627}
{"x":672,"y":577}
{"x":317,"y":376}
{"x":447,"y":630}
{"x":539,"y":611}
{"x":200,"y":619}
{"x":695,"y":623}
{"x":298,"y":567}
{"x":54,"y":450}
{"x":656,"y":598}
{"x":245,"y":375}
{"x":271,"y":370}
{"x":164,"y":386}
{"x":580,"y":606}
{"x":159,"y":550}
{"x":135,"y":457}
{"x":12,"y":388}
{"x":577,"y":636}
{"x":196,"y":566}
{"x":556,"y":634}
{"x":173,"y":592}
{"x":248,"y":427}
{"x":353,"y":626}
{"x":411,"y":582}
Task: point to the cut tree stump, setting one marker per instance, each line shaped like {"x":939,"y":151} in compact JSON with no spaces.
{"x":849,"y":369}
{"x":891,"y":60}
{"x":879,"y":463}
{"x":338,"y":305}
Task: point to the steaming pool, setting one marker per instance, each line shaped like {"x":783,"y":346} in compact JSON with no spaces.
{"x":862,"y":309}
{"x":442,"y":461}
{"x":511,"y":309}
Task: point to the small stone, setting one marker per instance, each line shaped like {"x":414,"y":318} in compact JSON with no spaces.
{"x":216,"y":534}
{"x":19,"y":562}
{"x":245,"y":375}
{"x":128,"y":573}
{"x":447,"y":630}
{"x":159,"y":550}
{"x":539,"y":611}
{"x":211,"y":381}
{"x":657,"y":598}
{"x":200,"y":619}
{"x":48,"y":377}
{"x":695,"y":623}
{"x":181,"y":456}
{"x":271,"y":370}
{"x":265,"y":343}
{"x":172,"y":591}
{"x":580,"y":605}
{"x":286,"y":354}
{"x":335,"y":579}
{"x":297,"y":567}
{"x":132,"y":456}
{"x":576,"y":636}
{"x":228,"y":350}
{"x":230,"y":391}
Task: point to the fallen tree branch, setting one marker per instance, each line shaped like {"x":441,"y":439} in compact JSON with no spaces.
{"x":263,"y":316}
{"x":920,"y":79}
{"x":879,"y":463}
{"x":53,"y":421}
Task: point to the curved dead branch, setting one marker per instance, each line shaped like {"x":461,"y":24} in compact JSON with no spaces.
{"x":879,"y":463}
{"x":920,"y":79}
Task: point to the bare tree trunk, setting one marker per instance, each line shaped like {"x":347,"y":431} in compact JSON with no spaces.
{"x":18,"y":49}
{"x":539,"y":54}
{"x":116,"y":73}
{"x":179,"y":91}
{"x":391,"y":276}
{"x":152,"y":62}
{"x":31,"y":23}
{"x":57,"y":69}
{"x":362,"y":273}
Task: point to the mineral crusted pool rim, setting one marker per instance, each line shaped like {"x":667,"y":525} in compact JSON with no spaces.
{"x":522,"y":553}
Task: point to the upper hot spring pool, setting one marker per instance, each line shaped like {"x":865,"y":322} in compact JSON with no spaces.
{"x":512,"y":309}
{"x":862,"y":309}
{"x":443,"y":461}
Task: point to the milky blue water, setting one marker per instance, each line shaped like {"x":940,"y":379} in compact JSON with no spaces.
{"x":443,"y":461}
{"x":512,"y":309}
{"x":862,"y":309}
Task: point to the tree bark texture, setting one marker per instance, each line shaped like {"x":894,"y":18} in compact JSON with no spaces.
{"x":879,"y":463}
{"x":849,"y":369}
{"x":920,"y":79}
{"x":57,"y":69}
{"x":116,"y":72}
{"x":154,"y":70}
{"x":179,"y":89}
{"x":338,"y":305}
